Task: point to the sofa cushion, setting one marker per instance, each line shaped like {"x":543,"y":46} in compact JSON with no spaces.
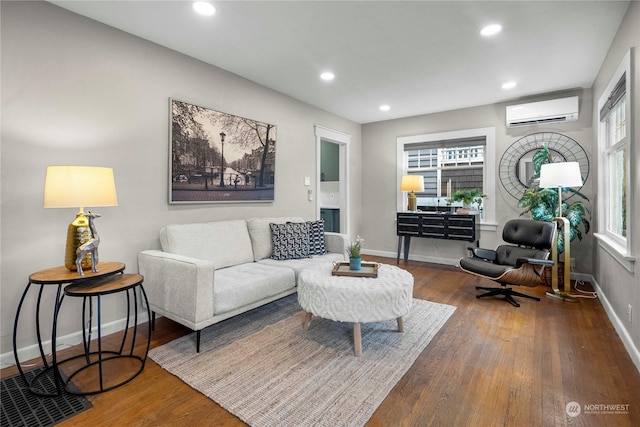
{"x":245,"y":284}
{"x":316,"y":237}
{"x":225,"y":243}
{"x":260,"y":233}
{"x":297,"y":265}
{"x":290,"y":240}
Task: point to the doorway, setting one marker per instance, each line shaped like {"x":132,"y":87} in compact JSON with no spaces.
{"x":332,"y":180}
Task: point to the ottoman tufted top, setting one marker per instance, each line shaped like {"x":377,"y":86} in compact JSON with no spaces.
{"x":355,"y":299}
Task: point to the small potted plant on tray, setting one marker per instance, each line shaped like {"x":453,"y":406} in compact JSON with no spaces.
{"x":353,"y":251}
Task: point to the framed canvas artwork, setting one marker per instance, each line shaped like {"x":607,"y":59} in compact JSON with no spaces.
{"x":218,"y":157}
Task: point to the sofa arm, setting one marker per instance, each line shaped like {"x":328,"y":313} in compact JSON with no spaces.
{"x":336,"y":243}
{"x":178,"y":287}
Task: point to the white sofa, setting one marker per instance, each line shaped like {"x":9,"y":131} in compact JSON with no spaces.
{"x":209,"y":272}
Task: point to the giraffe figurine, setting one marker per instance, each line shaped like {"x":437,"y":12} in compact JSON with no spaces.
{"x":89,"y":247}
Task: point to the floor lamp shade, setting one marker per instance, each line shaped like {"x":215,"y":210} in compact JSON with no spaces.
{"x":566,"y":174}
{"x":412,"y":183}
{"x":561,"y":175}
{"x":79,"y":187}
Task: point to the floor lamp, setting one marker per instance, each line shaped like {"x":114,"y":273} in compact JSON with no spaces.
{"x":561,"y":175}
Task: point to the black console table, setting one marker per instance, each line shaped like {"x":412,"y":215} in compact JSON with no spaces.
{"x":435,"y":225}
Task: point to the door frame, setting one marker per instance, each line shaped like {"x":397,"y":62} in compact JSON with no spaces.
{"x":343,"y":140}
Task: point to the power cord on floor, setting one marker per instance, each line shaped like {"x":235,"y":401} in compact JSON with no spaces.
{"x":587,"y":294}
{"x":583,"y":293}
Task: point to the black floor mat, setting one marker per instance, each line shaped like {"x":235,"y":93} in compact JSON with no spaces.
{"x":22,"y":408}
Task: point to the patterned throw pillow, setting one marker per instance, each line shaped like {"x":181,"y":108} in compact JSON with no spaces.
{"x":316,"y":237}
{"x":290,"y":240}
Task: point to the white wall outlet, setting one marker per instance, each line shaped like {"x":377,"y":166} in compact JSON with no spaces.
{"x":629,"y":313}
{"x":310,"y":195}
{"x":573,"y":263}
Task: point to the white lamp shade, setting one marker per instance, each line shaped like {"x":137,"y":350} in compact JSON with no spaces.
{"x":79,"y":187}
{"x":412,"y":183}
{"x":566,"y":174}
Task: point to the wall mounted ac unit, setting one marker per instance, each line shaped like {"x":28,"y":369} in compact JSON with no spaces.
{"x":532,"y":113}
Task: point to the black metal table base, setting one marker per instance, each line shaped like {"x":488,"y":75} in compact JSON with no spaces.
{"x":32,"y":384}
{"x":102,"y":356}
{"x":110,"y":280}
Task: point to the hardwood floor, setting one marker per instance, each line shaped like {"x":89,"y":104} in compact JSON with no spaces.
{"x":491,"y":364}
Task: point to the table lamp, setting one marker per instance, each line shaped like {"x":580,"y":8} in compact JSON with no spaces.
{"x":561,"y":175}
{"x":412,"y":183}
{"x":79,"y":187}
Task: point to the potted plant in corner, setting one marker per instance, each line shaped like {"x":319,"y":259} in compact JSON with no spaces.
{"x":542,"y":204}
{"x":353,"y":251}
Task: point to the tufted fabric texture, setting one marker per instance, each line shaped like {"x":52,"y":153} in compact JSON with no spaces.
{"x":509,"y":254}
{"x":316,"y":237}
{"x":526,"y":275}
{"x":355,"y":299}
{"x":290,"y":240}
{"x":524,"y":232}
{"x":534,"y":238}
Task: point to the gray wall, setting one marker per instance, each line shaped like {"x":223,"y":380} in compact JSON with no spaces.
{"x":620,"y":287}
{"x":379,"y":174}
{"x":78,"y":92}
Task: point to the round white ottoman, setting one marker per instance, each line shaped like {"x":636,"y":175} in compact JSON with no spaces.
{"x":355,"y":299}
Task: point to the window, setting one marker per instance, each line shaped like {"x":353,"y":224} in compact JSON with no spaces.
{"x":614,"y":166}
{"x":616,"y":146}
{"x":458,"y":166}
{"x":448,"y":162}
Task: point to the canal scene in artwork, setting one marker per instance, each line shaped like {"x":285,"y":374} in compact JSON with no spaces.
{"x":219,"y":157}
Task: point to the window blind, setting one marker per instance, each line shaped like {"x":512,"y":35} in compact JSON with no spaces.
{"x":448,"y":143}
{"x":616,"y":95}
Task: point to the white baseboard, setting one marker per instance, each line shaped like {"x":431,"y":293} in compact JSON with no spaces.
{"x":74,"y":338}
{"x":618,"y":325}
{"x":413,"y":257}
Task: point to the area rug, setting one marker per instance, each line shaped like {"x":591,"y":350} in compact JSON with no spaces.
{"x":265,"y":369}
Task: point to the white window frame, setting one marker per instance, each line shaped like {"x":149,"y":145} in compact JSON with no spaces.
{"x":619,"y":248}
{"x":489,"y":175}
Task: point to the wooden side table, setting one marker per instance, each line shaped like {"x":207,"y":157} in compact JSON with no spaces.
{"x":57,"y":276}
{"x":99,"y":288}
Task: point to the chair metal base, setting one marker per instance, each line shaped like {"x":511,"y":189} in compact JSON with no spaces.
{"x":508,"y":294}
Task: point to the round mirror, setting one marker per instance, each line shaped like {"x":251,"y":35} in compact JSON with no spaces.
{"x":516,"y":165}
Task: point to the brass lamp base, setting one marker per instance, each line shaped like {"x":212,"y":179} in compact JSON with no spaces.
{"x":557,"y":293}
{"x":412,"y":202}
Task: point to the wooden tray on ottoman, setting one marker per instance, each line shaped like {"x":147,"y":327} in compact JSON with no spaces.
{"x":368,"y":269}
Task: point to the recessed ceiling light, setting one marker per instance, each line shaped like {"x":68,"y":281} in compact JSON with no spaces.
{"x":327,"y":75}
{"x":385,"y":107}
{"x":509,"y":85}
{"x":491,"y":30}
{"x":204,"y":8}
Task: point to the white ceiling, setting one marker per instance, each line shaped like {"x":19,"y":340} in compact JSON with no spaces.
{"x":416,"y":56}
